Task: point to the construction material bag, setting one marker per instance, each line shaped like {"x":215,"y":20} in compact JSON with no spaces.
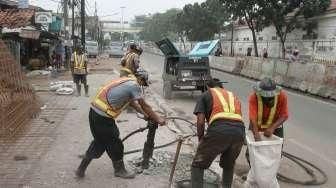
{"x":265,"y":157}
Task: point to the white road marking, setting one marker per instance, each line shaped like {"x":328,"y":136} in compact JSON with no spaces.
{"x":291,"y":92}
{"x":307,"y":148}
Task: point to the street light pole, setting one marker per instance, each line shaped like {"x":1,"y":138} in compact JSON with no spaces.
{"x":83,"y":22}
{"x":122,"y":23}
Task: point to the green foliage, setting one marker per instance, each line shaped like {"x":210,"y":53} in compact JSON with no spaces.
{"x":250,"y":13}
{"x":286,"y":15}
{"x":200,"y":22}
{"x":196,"y":22}
{"x":160,"y":25}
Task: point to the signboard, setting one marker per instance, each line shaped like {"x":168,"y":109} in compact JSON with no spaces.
{"x":23,"y":4}
{"x":43,"y":17}
{"x":29,"y":34}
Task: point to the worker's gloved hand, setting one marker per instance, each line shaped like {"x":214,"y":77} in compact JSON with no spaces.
{"x":269,"y":132}
{"x":257,"y":137}
{"x":161,"y":121}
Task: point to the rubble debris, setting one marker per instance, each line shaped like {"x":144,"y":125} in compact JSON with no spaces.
{"x":65,"y":91}
{"x":60,"y":84}
{"x":38,"y":73}
{"x":62,"y":87}
{"x":43,"y":107}
{"x":160,"y":165}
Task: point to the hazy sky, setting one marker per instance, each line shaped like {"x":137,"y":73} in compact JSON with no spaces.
{"x":112,"y":7}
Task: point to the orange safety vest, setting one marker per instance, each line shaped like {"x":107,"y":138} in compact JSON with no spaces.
{"x":100,"y":101}
{"x":271,"y":116}
{"x":223,"y":106}
{"x":128,"y":63}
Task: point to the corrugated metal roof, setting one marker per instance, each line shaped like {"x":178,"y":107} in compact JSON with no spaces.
{"x":14,"y":18}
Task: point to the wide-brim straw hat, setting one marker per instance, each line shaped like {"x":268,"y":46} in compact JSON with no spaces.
{"x":267,"y":88}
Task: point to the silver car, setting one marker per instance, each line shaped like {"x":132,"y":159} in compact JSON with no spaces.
{"x":116,"y":49}
{"x":92,"y":48}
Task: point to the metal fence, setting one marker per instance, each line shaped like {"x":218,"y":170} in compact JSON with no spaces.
{"x":18,"y":102}
{"x":309,"y":50}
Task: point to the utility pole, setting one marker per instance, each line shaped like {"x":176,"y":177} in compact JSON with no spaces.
{"x":83,"y":22}
{"x":65,"y":17}
{"x":96,"y":31}
{"x":73,"y":23}
{"x":232,"y":29}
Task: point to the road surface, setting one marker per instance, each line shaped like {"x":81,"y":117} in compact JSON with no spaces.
{"x":309,"y":132}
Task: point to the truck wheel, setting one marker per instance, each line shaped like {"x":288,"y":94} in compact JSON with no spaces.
{"x":167,"y":90}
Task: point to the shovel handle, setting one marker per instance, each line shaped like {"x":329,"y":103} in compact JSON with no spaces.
{"x":178,"y":149}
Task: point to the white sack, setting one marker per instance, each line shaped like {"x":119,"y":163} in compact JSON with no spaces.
{"x":265,"y":157}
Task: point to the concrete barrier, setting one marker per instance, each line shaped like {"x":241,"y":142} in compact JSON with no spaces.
{"x":227,"y":64}
{"x":329,"y":82}
{"x":315,"y":77}
{"x":280,"y":71}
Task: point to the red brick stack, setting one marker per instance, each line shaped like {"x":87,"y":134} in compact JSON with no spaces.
{"x":18,"y":102}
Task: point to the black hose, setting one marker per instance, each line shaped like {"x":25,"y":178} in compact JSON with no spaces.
{"x":160,"y":146}
{"x":308,"y":167}
{"x":142,"y":129}
{"x":304,"y":164}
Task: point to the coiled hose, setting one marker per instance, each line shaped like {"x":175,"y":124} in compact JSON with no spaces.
{"x":308,"y":167}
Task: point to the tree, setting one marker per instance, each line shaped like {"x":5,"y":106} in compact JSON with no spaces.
{"x":201,"y":21}
{"x":250,"y":13}
{"x":286,"y":15}
{"x":159,"y":25}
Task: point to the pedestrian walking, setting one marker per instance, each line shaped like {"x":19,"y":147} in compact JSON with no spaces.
{"x":225,"y":133}
{"x":109,"y":102}
{"x":79,"y":71}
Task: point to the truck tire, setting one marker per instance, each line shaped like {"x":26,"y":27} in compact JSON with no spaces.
{"x":167,"y":90}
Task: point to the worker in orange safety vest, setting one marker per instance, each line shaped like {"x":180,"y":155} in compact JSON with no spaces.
{"x":225,"y":133}
{"x":108,"y":104}
{"x":268,"y":110}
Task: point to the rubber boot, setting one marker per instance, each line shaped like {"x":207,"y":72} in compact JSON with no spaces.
{"x":120,"y":170}
{"x":197,"y":177}
{"x":78,"y":87}
{"x":86,"y":87}
{"x":80,"y":173}
{"x":227,"y":177}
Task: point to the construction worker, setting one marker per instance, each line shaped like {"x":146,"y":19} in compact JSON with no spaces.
{"x":225,"y":134}
{"x":130,"y":62}
{"x":109,"y":102}
{"x":267,"y":109}
{"x":79,"y":63}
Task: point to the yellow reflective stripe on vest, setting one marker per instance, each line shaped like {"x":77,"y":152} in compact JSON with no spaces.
{"x":261,"y":110}
{"x":81,"y":64}
{"x":229,"y":110}
{"x":126,"y":70}
{"x":222,"y":100}
{"x":105,"y":107}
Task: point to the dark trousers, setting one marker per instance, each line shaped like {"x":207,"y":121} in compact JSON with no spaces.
{"x":214,"y":144}
{"x":78,"y":79}
{"x":106,"y":138}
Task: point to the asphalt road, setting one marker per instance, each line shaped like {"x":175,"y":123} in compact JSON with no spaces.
{"x":310,"y":132}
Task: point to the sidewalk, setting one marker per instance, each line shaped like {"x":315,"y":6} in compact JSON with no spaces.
{"x":72,"y":137}
{"x":48,"y":152}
